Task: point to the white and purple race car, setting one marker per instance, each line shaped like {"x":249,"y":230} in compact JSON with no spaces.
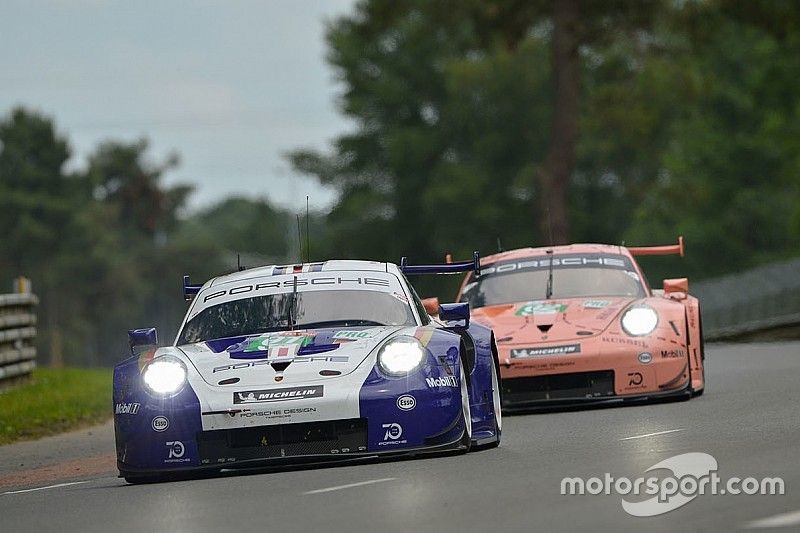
{"x":306,"y":363}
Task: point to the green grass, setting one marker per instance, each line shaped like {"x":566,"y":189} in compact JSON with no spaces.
{"x":54,"y":401}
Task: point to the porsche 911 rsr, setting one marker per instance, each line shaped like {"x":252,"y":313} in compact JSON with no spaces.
{"x":580,"y":323}
{"x":305,"y":363}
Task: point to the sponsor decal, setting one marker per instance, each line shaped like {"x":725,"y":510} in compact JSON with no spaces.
{"x":126,"y":409}
{"x":625,"y":340}
{"x":277,"y":395}
{"x":546,"y":350}
{"x":354,"y":335}
{"x":401,"y":297}
{"x":635,"y":379}
{"x":299,"y":282}
{"x":299,"y":359}
{"x":270,"y":342}
{"x":406,"y":402}
{"x":548,"y":366}
{"x":176,"y":452}
{"x":442,"y":381}
{"x":160,"y":423}
{"x":392,"y":436}
{"x":645,"y":358}
{"x":277,"y":413}
{"x":596,"y":304}
{"x":541,"y":308}
{"x":673,"y":354}
{"x":561,"y":261}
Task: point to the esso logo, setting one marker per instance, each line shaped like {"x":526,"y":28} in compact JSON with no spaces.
{"x":406,"y":402}
{"x":645,"y":357}
{"x":160,"y":423}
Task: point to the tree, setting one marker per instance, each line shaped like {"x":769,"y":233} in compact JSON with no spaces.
{"x":123,"y":177}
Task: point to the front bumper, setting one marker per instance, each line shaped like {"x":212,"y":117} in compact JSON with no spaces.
{"x":602,"y":371}
{"x":333,"y":441}
{"x":563,"y":390}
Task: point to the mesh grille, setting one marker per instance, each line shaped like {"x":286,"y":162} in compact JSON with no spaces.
{"x":286,"y":440}
{"x":578,"y":386}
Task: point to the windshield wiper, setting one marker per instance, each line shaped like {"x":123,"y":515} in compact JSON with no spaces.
{"x":549,"y":291}
{"x":341,"y":323}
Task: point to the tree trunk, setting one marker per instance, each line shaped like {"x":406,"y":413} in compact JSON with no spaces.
{"x":555,"y":173}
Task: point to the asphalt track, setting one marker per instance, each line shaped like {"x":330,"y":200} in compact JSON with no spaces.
{"x":749,"y":420}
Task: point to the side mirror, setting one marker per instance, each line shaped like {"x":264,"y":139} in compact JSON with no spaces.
{"x":455,"y":313}
{"x":142,"y":340}
{"x":431,"y":305}
{"x":676,"y":289}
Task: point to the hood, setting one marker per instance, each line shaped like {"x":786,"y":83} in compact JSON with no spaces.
{"x":551,"y":320}
{"x":286,"y":357}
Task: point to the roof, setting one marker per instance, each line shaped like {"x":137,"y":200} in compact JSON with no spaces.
{"x":337,"y":265}
{"x":521,"y":253}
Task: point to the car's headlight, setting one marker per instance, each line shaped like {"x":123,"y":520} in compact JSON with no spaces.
{"x":400,"y":356}
{"x":164,"y":375}
{"x":639,"y":320}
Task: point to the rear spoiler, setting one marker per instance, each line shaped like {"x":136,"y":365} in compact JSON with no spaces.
{"x":447,"y":268}
{"x":190,"y":291}
{"x":669,"y":249}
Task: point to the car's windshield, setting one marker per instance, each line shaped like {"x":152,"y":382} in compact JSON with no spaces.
{"x":280,"y":312}
{"x":573,"y":276}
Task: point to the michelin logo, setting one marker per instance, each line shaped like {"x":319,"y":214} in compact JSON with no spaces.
{"x":276,"y":395}
{"x":549,"y":350}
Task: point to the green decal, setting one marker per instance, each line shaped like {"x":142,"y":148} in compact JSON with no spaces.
{"x":596,"y":304}
{"x":541,"y":308}
{"x":265,"y":342}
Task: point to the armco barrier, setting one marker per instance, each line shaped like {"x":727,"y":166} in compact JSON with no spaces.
{"x":17,"y":336}
{"x":760,"y":299}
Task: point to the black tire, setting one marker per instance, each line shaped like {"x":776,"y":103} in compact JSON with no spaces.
{"x":497,"y":406}
{"x":466,"y":439}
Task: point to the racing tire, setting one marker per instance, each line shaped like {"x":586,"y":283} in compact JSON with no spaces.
{"x":497,"y":408}
{"x":466,"y":413}
{"x":702,"y":358}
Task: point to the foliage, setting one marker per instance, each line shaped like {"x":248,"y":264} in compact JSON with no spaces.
{"x":688,"y":124}
{"x":106,"y":247}
{"x":55,"y":400}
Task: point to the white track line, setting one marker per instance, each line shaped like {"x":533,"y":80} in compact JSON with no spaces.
{"x":653,"y":434}
{"x":351,"y":485}
{"x":779,"y":520}
{"x":44,"y":488}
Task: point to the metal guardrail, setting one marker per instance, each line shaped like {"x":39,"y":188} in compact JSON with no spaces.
{"x":17,"y":336}
{"x":763,"y":298}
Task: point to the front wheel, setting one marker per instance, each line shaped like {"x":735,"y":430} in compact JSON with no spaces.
{"x":497,"y":407}
{"x":466,"y":413}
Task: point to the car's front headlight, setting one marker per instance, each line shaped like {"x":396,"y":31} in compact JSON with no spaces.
{"x":164,"y":375}
{"x":639,"y":320}
{"x":400,"y":356}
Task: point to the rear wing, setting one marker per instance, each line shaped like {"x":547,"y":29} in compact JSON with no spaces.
{"x":447,"y":268}
{"x":669,"y":249}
